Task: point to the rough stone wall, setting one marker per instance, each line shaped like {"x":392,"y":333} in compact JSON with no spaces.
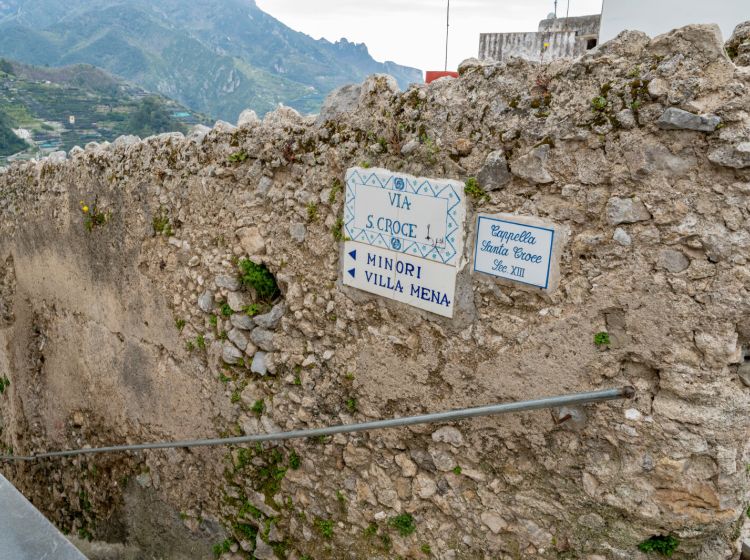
{"x":641,"y":149}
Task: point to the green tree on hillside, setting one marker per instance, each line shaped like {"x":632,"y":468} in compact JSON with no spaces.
{"x":151,"y":117}
{"x":6,"y":67}
{"x":9,"y":142}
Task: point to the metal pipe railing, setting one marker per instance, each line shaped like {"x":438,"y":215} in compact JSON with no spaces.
{"x":450,"y":416}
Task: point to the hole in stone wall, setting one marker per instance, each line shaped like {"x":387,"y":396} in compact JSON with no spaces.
{"x":590,"y":44}
{"x":260,"y":280}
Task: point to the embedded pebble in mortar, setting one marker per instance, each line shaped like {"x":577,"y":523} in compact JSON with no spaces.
{"x":206,"y":302}
{"x":231,"y":283}
{"x":259,"y":363}
{"x":271,"y":319}
{"x":242,"y":321}
{"x":231,"y":355}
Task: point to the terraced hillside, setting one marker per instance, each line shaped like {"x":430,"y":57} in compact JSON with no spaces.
{"x":58,"y":108}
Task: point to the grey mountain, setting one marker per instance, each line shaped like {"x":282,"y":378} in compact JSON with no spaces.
{"x":215,"y":56}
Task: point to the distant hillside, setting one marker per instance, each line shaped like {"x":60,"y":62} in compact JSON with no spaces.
{"x":9,"y":142}
{"x":63,"y":107}
{"x":215,"y":56}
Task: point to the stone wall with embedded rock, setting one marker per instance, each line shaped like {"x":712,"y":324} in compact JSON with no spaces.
{"x":179,"y":287}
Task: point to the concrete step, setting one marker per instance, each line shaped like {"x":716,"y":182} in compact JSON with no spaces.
{"x":25,"y":534}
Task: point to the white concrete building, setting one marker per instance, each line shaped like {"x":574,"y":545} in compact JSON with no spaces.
{"x":655,"y":17}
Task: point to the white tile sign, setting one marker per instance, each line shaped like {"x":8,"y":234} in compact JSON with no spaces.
{"x":412,"y":280}
{"x":507,"y":247}
{"x":405,"y":237}
{"x":412,"y":215}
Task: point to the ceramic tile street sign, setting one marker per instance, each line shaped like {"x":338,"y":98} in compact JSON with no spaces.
{"x":412,"y":215}
{"x":413,"y":280}
{"x":405,"y":237}
{"x":519,"y":249}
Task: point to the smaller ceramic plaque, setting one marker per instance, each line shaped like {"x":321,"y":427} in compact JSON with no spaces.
{"x":517,"y":248}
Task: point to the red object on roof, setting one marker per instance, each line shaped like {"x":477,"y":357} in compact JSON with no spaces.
{"x":433,"y":75}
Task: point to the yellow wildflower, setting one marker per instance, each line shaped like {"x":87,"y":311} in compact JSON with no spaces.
{"x":85,"y":209}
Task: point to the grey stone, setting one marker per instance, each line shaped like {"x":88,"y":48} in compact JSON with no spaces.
{"x":355,"y":457}
{"x":422,"y":459}
{"x":75,"y":151}
{"x":237,"y":301}
{"x":264,"y":185}
{"x":206,"y":302}
{"x":198,"y":133}
{"x":339,"y":102}
{"x":168,"y":137}
{"x":248,"y":117}
{"x":494,"y":174}
{"x":409,"y":148}
{"x":744,"y":372}
{"x":379,"y":85}
{"x":258,"y":501}
{"x":298,"y":232}
{"x":231,"y":283}
{"x":252,"y":241}
{"x":271,"y":319}
{"x":259,"y":365}
{"x":677,"y":119}
{"x":626,"y":211}
{"x":424,"y":486}
{"x":626,"y":118}
{"x":739,"y":43}
{"x":238,"y":338}
{"x":621,"y":236}
{"x":469,"y":64}
{"x":143,"y":480}
{"x":493,"y":521}
{"x":531,"y":166}
{"x":658,"y":87}
{"x":269,"y":426}
{"x":126,"y":140}
{"x":282,"y":116}
{"x":408,"y":467}
{"x":672,"y":260}
{"x":448,"y":434}
{"x":443,"y":460}
{"x":224,"y":126}
{"x":263,"y":339}
{"x":649,"y":158}
{"x":242,"y":321}
{"x":231,"y":355}
{"x":57,"y":157}
{"x":737,"y":156}
{"x":274,"y":535}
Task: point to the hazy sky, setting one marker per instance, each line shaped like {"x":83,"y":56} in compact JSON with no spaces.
{"x":412,"y":32}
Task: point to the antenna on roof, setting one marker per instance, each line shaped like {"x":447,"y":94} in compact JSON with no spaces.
{"x":447,"y":29}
